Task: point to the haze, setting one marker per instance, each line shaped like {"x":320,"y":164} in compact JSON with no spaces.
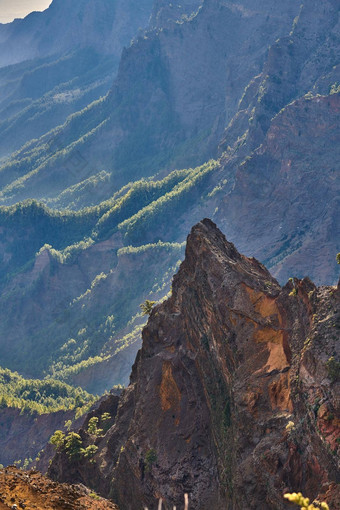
{"x":11,"y":9}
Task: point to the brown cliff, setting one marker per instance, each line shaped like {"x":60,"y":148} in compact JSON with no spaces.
{"x":234,"y":396}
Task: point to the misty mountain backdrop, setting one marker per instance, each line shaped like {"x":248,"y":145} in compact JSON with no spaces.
{"x":123,"y":123}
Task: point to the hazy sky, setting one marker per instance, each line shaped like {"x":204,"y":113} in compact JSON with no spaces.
{"x":10,"y":9}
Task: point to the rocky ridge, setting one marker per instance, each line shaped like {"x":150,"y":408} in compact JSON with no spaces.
{"x":103,"y":25}
{"x":57,"y":62}
{"x":234,"y":396}
{"x":161,"y":100}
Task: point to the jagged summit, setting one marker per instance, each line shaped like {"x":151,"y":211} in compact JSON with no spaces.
{"x":223,"y":400}
{"x":206,"y":243}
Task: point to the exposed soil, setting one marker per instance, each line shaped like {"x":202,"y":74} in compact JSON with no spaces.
{"x":30,"y":490}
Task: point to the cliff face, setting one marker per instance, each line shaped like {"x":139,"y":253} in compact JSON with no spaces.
{"x":292,"y":177}
{"x":234,"y":396}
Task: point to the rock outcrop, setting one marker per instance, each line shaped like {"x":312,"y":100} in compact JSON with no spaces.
{"x":234,"y":396}
{"x":30,"y":490}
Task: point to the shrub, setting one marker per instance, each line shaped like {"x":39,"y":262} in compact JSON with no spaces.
{"x":147,"y":306}
{"x":93,"y":427}
{"x":302,"y":502}
{"x":72,"y":445}
{"x":150,"y":459}
{"x":89,"y":452}
{"x":58,"y":439}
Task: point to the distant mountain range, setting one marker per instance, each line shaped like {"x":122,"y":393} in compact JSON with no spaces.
{"x":241,"y":97}
{"x":106,"y":26}
{"x":56,"y":62}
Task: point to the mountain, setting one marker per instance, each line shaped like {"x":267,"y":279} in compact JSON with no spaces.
{"x":163,"y":111}
{"x":31,"y":410}
{"x":233,"y":396}
{"x":74,"y":272}
{"x":78,"y":277}
{"x":104,"y":25}
{"x":57,"y":62}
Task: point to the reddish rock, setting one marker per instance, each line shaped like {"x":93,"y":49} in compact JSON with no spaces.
{"x":227,"y":392}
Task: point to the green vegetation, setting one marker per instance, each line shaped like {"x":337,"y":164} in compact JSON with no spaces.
{"x":105,"y":421}
{"x":76,"y":335}
{"x":304,"y":503}
{"x":41,"y":396}
{"x":147,"y":306}
{"x":139,"y":195}
{"x":93,"y":495}
{"x":150,"y":459}
{"x":92,"y":427}
{"x":72,"y":445}
{"x":65,"y":234}
{"x":57,"y":439}
{"x":179,"y":199}
{"x":333,"y":368}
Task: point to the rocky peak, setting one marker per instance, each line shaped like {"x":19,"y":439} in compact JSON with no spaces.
{"x":226,"y":392}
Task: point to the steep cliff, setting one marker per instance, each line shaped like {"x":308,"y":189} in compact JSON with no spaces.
{"x":234,"y":396}
{"x":292,"y":176}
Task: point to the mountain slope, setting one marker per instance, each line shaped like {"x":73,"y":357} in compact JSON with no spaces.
{"x":30,"y":412}
{"x":233,"y":396}
{"x":78,"y":296}
{"x":57,"y":75}
{"x":162,"y":111}
{"x":103,"y":25}
{"x":273,"y":190}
